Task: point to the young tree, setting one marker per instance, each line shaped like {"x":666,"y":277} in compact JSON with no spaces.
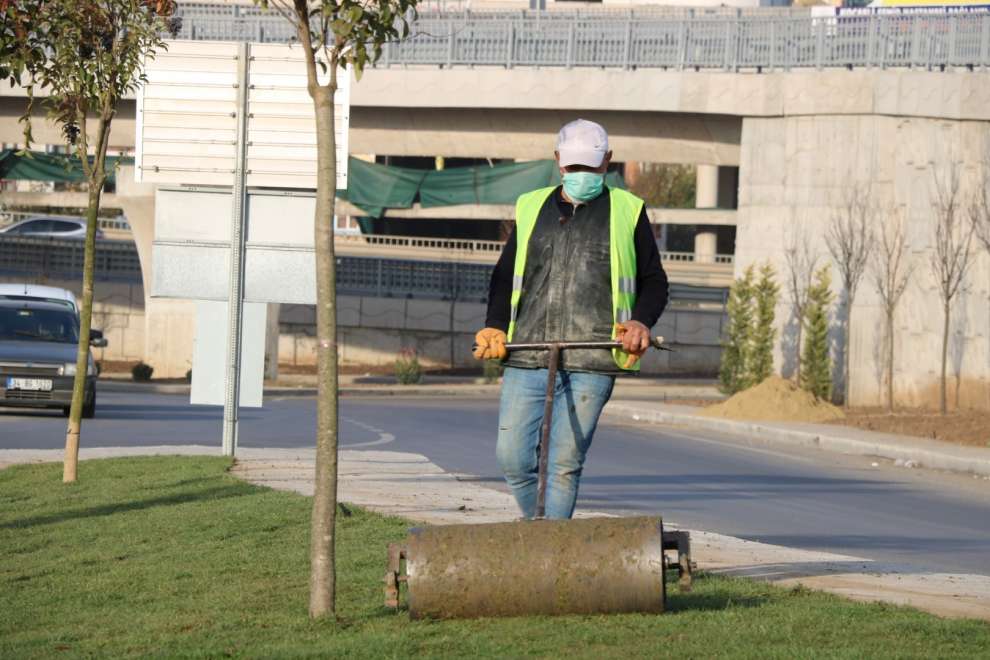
{"x":85,"y":55}
{"x":817,"y":374}
{"x":850,"y":241}
{"x":951,"y":256}
{"x":732,"y":374}
{"x":665,"y":185}
{"x":332,"y":34}
{"x":979,"y":208}
{"x":890,"y":272}
{"x":801,"y":261}
{"x":765,"y":294}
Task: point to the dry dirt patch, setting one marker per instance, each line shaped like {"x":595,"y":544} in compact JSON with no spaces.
{"x":775,"y":400}
{"x":964,"y":427}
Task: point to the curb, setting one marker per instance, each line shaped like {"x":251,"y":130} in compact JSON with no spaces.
{"x":113,"y":385}
{"x":347,"y":390}
{"x":923,"y":452}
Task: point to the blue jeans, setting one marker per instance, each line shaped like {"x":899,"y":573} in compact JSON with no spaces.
{"x":578,"y":402}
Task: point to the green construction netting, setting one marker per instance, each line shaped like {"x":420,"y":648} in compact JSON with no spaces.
{"x":40,"y":166}
{"x":371,"y":187}
{"x":376,"y":188}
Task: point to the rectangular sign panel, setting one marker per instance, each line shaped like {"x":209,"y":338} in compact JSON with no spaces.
{"x":210,"y":354}
{"x":191,"y":252}
{"x":187,"y":117}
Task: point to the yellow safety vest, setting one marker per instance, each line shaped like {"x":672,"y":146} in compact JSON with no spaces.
{"x":625,"y":209}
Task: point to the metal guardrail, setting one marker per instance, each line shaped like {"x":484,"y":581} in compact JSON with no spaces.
{"x":761,"y":42}
{"x":398,"y":278}
{"x":395,"y":278}
{"x":42,"y":258}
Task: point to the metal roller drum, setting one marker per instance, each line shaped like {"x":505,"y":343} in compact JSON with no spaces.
{"x":588,"y":566}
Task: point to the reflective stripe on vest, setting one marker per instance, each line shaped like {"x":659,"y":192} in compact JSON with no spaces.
{"x":624,"y":212}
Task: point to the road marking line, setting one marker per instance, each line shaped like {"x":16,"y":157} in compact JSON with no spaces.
{"x":731,"y":443}
{"x":383,"y":440}
{"x":383,"y":437}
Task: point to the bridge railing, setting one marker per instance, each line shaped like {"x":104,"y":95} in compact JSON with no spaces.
{"x":730,"y":42}
{"x":461,"y":246}
{"x":464,"y":248}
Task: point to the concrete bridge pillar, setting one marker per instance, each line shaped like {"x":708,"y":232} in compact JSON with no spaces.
{"x":169,"y":324}
{"x":706,"y":187}
{"x":706,"y":197}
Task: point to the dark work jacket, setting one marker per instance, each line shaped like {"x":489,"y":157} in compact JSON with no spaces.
{"x":567,"y":286}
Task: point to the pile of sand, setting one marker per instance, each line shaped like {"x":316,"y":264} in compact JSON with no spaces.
{"x":775,"y":400}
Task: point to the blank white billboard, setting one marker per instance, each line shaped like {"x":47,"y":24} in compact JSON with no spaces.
{"x":187,"y":117}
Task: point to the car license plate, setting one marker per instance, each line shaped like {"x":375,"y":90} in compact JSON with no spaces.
{"x":35,"y":384}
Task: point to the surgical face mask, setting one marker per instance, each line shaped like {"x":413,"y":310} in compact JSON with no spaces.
{"x":583,"y":186}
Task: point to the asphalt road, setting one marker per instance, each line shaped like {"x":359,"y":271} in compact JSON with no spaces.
{"x":799,"y":498}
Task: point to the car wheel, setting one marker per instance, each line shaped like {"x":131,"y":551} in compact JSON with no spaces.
{"x":89,"y":410}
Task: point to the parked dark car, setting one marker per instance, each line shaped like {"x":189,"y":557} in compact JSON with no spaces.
{"x":38,"y":344}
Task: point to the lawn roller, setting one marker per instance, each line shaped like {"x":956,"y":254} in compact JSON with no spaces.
{"x":531,"y":567}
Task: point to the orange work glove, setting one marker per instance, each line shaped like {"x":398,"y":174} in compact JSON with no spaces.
{"x":635,"y":338}
{"x":490,"y":344}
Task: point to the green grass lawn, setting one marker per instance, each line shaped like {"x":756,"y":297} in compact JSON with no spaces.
{"x":174,"y":557}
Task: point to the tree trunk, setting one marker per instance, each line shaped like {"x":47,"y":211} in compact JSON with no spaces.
{"x":845,"y":352}
{"x":943,"y":408}
{"x":890,"y":361}
{"x":70,"y":463}
{"x":800,"y":332}
{"x":322,"y":562}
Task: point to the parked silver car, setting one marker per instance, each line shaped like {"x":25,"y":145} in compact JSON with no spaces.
{"x":49,"y":227}
{"x":38,"y":345}
{"x":39,"y":292}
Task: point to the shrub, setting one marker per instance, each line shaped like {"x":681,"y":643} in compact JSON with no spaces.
{"x":407,"y":368}
{"x":189,"y":376}
{"x":732,"y":374}
{"x":141,"y":372}
{"x":764,"y":333}
{"x":816,"y":362}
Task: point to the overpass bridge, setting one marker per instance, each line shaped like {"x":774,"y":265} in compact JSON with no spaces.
{"x":803,"y":109}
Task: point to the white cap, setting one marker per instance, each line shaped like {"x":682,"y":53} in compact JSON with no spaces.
{"x":582,"y":142}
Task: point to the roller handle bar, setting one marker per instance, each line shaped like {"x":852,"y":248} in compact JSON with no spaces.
{"x":655,"y":342}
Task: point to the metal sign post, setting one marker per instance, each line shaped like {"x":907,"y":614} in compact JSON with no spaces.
{"x":235,"y":298}
{"x":209,"y":110}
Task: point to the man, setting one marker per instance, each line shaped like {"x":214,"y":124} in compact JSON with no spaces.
{"x":581,"y":264}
